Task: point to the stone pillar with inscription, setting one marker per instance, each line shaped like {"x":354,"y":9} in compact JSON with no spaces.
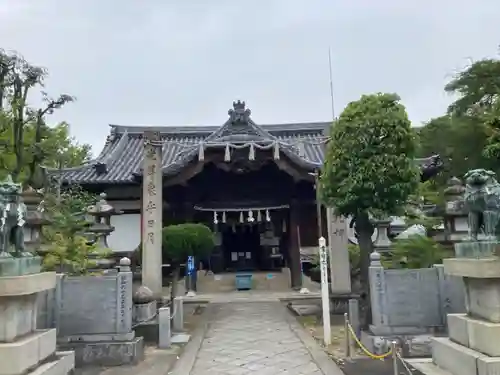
{"x":152,"y":207}
{"x":340,"y":268}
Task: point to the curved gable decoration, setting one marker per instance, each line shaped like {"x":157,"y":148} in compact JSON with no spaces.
{"x":239,"y":132}
{"x":239,"y":127}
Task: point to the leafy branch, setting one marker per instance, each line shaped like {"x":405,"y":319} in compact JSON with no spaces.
{"x":70,"y":250}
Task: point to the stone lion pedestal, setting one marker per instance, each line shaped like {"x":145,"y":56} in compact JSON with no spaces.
{"x":473,"y":345}
{"x":24,"y":349}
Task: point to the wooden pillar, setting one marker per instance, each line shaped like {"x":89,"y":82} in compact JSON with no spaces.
{"x":294,"y":246}
{"x":152,"y":213}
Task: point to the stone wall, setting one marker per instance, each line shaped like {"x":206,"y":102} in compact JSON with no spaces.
{"x":88,"y":305}
{"x":93,"y":317}
{"x":413,"y":301}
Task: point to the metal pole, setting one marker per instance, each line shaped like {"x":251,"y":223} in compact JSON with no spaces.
{"x":394,"y":357}
{"x":347,"y":333}
{"x":331,"y":82}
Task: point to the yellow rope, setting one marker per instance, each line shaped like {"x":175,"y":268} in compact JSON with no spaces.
{"x":366,"y":351}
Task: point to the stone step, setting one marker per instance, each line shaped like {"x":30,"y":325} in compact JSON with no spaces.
{"x":426,"y":366}
{"x":272,"y":281}
{"x":27,"y":352}
{"x":475,"y":333}
{"x":460,"y":360}
{"x":63,"y":365}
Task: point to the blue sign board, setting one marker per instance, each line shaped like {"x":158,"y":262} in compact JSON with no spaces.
{"x":190,"y":265}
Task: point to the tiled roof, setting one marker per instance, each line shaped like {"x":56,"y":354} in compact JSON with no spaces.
{"x":120,"y":161}
{"x":122,"y":154}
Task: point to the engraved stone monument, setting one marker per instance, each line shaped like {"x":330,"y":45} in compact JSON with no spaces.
{"x":340,"y":269}
{"x":473,"y":346}
{"x":152,"y":213}
{"x":94,"y":318}
{"x":23,"y":348}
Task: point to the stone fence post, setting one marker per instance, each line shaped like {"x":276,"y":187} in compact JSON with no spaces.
{"x":377,"y":290}
{"x":124,"y":311}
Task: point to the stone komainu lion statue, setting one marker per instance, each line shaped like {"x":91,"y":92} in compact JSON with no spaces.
{"x":13,"y":213}
{"x":482,"y":201}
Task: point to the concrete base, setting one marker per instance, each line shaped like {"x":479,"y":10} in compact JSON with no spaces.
{"x":26,"y":353}
{"x":107,"y":353}
{"x":414,"y":345}
{"x":482,"y":298}
{"x":180,"y":338}
{"x":475,"y":334}
{"x":27,"y":284}
{"x":476,"y":249}
{"x":148,"y":331}
{"x":397,"y":331}
{"x":97,"y":338}
{"x":17,"y":316}
{"x":261,"y":281}
{"x":62,"y":364}
{"x":17,"y":266}
{"x":477,"y":268}
{"x":459,"y":360}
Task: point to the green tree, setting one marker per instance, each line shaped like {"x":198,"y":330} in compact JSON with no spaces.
{"x":183,"y":240}
{"x":460,"y":140}
{"x":416,"y":251}
{"x":68,"y":248}
{"x":492,"y":121}
{"x":369,"y":168}
{"x":478,"y":91}
{"x":57,"y":147}
{"x":477,"y":87}
{"x":23,"y":129}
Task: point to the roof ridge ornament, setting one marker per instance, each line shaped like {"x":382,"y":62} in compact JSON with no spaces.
{"x":239,"y":114}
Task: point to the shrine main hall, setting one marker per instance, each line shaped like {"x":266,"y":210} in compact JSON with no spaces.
{"x":253,"y":184}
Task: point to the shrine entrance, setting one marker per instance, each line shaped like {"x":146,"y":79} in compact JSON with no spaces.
{"x":249,"y":238}
{"x":241,"y":247}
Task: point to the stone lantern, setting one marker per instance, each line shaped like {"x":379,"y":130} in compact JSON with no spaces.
{"x":455,"y":216}
{"x":101,"y":226}
{"x":382,"y":242}
{"x":35,"y":220}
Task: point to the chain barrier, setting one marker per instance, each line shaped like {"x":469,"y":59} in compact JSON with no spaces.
{"x":173,"y":308}
{"x":363,"y":348}
{"x":401,"y":359}
{"x":393,"y":351}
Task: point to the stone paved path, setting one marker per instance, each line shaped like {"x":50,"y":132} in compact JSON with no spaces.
{"x":252,"y":338}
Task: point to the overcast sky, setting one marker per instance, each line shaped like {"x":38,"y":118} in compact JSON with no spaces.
{"x":183,"y":62}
